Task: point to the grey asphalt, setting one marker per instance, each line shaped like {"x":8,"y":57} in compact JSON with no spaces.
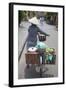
{"x":51,"y":41}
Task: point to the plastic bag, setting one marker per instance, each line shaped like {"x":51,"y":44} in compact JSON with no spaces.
{"x":41,"y":45}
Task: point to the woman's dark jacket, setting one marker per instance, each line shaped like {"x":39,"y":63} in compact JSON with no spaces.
{"x":32,"y":35}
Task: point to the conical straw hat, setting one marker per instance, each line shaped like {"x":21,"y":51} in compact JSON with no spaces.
{"x":34,"y":20}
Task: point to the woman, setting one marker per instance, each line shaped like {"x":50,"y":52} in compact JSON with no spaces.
{"x":33,"y":32}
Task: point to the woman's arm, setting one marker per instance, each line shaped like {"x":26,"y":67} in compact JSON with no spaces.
{"x":39,"y":30}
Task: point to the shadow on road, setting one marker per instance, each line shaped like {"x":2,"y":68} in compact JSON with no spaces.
{"x":32,"y":73}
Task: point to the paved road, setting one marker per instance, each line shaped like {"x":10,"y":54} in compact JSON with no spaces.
{"x":52,"y":41}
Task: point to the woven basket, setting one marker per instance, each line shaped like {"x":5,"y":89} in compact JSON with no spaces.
{"x":42,"y":37}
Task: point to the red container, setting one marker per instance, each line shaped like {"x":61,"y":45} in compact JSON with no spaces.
{"x":32,"y":58}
